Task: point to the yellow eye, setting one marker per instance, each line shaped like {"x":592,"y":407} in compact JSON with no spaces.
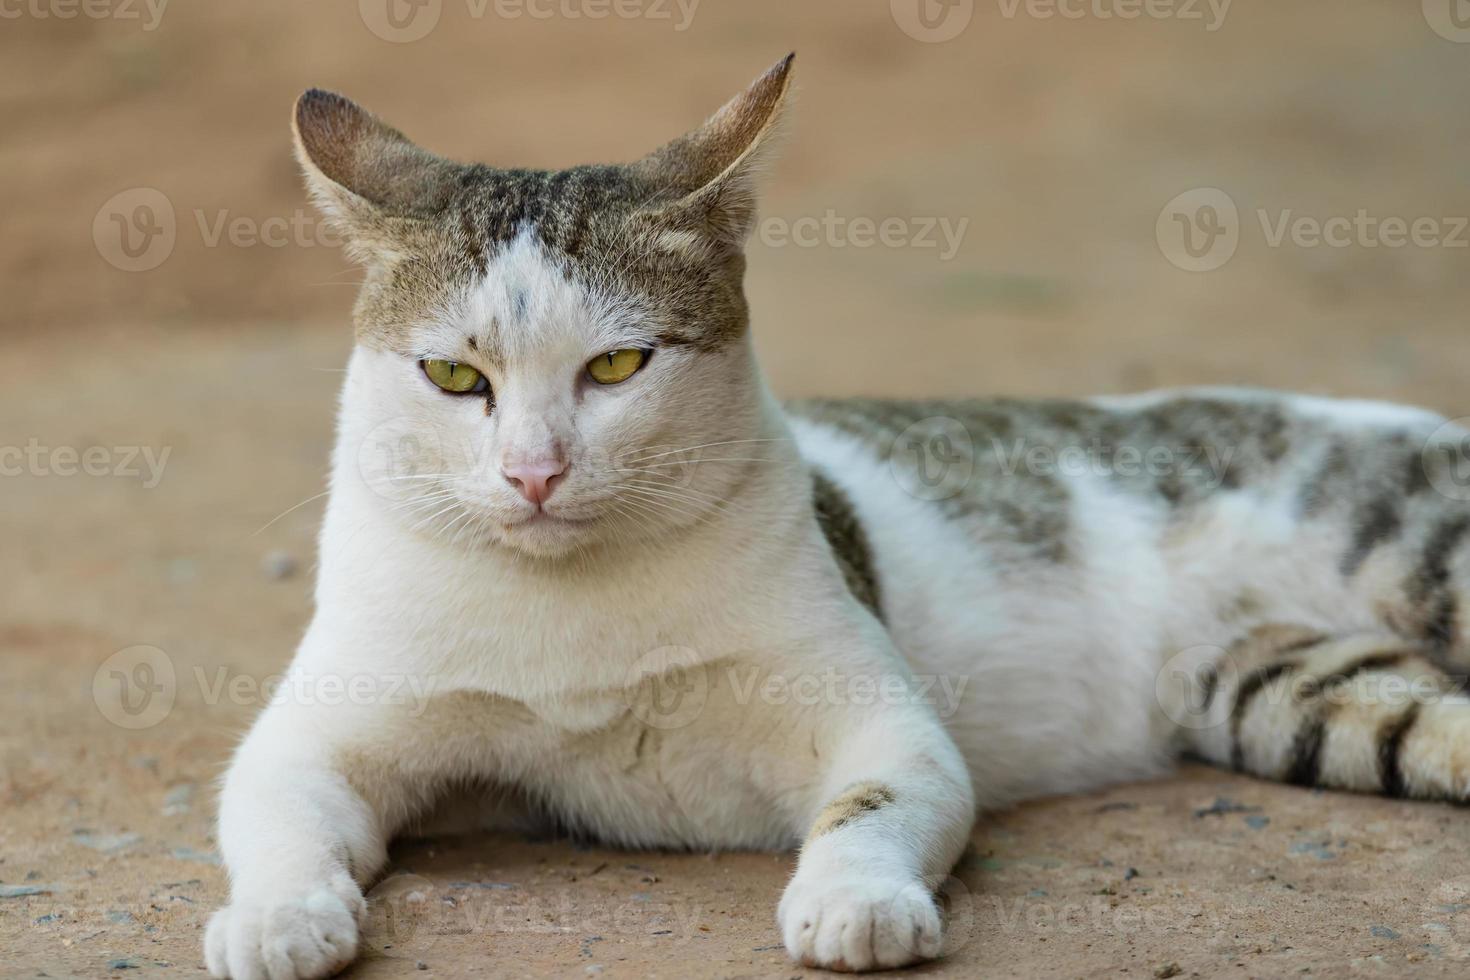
{"x":615,"y":366}
{"x":460,"y":379}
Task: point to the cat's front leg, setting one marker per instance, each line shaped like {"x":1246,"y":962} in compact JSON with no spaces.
{"x":892,"y":813}
{"x":305,"y":814}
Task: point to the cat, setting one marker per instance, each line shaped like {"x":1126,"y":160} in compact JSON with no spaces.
{"x":647,"y":602}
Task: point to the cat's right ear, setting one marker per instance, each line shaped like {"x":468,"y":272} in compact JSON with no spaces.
{"x":364,"y":175}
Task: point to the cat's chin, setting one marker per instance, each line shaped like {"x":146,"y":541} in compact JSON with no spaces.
{"x":546,"y":536}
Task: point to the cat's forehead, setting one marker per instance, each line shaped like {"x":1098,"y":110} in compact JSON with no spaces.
{"x":528,"y":301}
{"x":568,"y":211}
{"x":524,"y":262}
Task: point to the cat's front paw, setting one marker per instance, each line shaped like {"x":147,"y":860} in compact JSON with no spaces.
{"x":858,"y":922}
{"x":286,"y":936}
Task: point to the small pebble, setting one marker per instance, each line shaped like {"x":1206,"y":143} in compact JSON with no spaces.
{"x":189,"y":854}
{"x":178,"y":799}
{"x":278,"y":565}
{"x":421,"y":965}
{"x":1168,"y":970}
{"x":106,"y":843}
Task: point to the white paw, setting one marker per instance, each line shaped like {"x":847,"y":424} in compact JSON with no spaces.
{"x":858,"y":922}
{"x":312,"y":933}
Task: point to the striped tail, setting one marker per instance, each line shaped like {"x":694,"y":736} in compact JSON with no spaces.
{"x":1358,"y":712}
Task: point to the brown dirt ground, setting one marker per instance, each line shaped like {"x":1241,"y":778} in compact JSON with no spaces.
{"x":1060,"y":140}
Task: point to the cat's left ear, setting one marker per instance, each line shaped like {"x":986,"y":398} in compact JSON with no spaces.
{"x":715,"y":169}
{"x":366,"y":176}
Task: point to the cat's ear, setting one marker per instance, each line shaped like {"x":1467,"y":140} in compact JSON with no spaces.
{"x":715,"y":170}
{"x":363,"y":173}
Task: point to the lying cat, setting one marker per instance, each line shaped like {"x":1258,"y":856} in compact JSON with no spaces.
{"x":652,"y":605}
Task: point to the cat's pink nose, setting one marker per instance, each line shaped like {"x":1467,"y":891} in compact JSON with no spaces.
{"x":536,"y":481}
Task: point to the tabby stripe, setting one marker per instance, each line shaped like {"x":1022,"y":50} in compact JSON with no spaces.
{"x":472,"y":244}
{"x":1443,"y":623}
{"x":1390,"y":743}
{"x":1211,"y":684}
{"x":1306,"y":751}
{"x":1306,"y":747}
{"x":1250,"y":686}
{"x":1380,"y":522}
{"x":1297,"y":646}
{"x":847,"y":540}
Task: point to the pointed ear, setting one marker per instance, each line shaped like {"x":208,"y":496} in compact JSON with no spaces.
{"x":362,"y":173}
{"x":714,"y":170}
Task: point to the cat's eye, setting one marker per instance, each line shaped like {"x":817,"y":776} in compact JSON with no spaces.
{"x":616,"y":365}
{"x":456,"y":378}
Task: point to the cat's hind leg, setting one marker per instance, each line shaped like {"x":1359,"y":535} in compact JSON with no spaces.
{"x":1365,"y":712}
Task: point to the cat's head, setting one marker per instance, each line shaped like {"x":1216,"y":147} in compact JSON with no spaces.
{"x":539,"y":353}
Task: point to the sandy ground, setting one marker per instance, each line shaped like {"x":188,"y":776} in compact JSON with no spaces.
{"x":1049,"y":145}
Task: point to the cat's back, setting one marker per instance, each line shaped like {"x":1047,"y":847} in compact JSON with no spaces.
{"x":1178,"y":448}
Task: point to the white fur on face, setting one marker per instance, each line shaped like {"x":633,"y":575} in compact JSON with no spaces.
{"x":437,"y":459}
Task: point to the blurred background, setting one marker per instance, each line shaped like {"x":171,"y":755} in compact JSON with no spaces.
{"x":1028,"y":197}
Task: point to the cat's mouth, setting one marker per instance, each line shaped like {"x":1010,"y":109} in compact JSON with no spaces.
{"x":546,"y":518}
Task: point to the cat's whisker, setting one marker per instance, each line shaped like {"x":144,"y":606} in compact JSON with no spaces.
{"x":706,"y":445}
{"x":692,"y":492}
{"x":644,"y":517}
{"x":679,"y":509}
{"x":696,"y":462}
{"x":292,"y":508}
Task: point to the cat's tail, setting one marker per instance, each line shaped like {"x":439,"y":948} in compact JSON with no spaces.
{"x":1361,"y":712}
